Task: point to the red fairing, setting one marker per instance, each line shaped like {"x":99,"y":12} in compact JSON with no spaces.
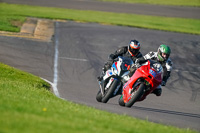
{"x":144,"y":72}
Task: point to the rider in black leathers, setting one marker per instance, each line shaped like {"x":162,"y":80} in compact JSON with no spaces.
{"x":132,"y":50}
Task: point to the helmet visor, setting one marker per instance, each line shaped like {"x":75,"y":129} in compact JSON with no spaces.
{"x":165,"y":56}
{"x":134,"y":51}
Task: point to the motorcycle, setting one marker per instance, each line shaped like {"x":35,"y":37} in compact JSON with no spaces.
{"x":113,"y":79}
{"x":144,"y":81}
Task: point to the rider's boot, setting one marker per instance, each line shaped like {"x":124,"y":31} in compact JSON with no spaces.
{"x":157,"y":91}
{"x":99,"y":78}
{"x":104,"y":69}
{"x":102,"y":74}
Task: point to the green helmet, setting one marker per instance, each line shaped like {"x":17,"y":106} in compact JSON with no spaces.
{"x":163,"y":52}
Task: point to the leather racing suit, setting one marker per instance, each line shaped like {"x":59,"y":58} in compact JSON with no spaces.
{"x":167,"y":68}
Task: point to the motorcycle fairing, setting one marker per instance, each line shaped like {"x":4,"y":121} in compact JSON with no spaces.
{"x":145,"y":72}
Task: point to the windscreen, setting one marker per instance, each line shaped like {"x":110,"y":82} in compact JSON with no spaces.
{"x":127,"y":62}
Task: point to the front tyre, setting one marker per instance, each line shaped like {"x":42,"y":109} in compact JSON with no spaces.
{"x":99,"y":96}
{"x":121,"y":101}
{"x":109,"y":92}
{"x":137,"y":93}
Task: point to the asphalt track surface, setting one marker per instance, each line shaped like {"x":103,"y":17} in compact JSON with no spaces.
{"x":82,"y":50}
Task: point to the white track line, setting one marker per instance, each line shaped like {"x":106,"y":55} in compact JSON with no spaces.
{"x":55,"y":80}
{"x":51,"y":85}
{"x":75,"y":59}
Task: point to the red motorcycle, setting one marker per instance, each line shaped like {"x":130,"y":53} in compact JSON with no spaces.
{"x":144,"y":81}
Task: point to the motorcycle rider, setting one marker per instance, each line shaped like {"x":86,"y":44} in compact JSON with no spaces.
{"x":162,"y":56}
{"x":132,"y":50}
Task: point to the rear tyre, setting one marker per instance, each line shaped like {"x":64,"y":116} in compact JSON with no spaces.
{"x":121,"y":101}
{"x":138,"y":92}
{"x":110,"y":91}
{"x":99,"y":96}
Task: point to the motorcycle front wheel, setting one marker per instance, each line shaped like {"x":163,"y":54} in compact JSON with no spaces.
{"x":99,"y":96}
{"x":109,"y":92}
{"x":121,"y":101}
{"x":137,"y":93}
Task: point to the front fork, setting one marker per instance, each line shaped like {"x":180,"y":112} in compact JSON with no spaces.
{"x":101,"y":83}
{"x":108,"y":86}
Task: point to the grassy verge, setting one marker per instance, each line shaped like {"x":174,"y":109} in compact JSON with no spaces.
{"x":11,"y":23}
{"x":28,"y":106}
{"x":162,"y":2}
{"x":10,"y":12}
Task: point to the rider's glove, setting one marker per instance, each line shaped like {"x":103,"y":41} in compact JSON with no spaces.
{"x":137,"y":65}
{"x":134,"y":67}
{"x":136,"y":61}
{"x":163,"y":83}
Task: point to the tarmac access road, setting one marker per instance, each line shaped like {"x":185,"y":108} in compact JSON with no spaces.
{"x":145,"y":9}
{"x":80,"y":50}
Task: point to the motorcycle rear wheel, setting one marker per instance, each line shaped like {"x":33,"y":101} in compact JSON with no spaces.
{"x":110,"y":91}
{"x":138,"y":93}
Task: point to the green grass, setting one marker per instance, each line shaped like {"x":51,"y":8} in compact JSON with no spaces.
{"x":7,"y":23}
{"x":27,"y":106}
{"x":162,"y":2}
{"x":10,"y":12}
